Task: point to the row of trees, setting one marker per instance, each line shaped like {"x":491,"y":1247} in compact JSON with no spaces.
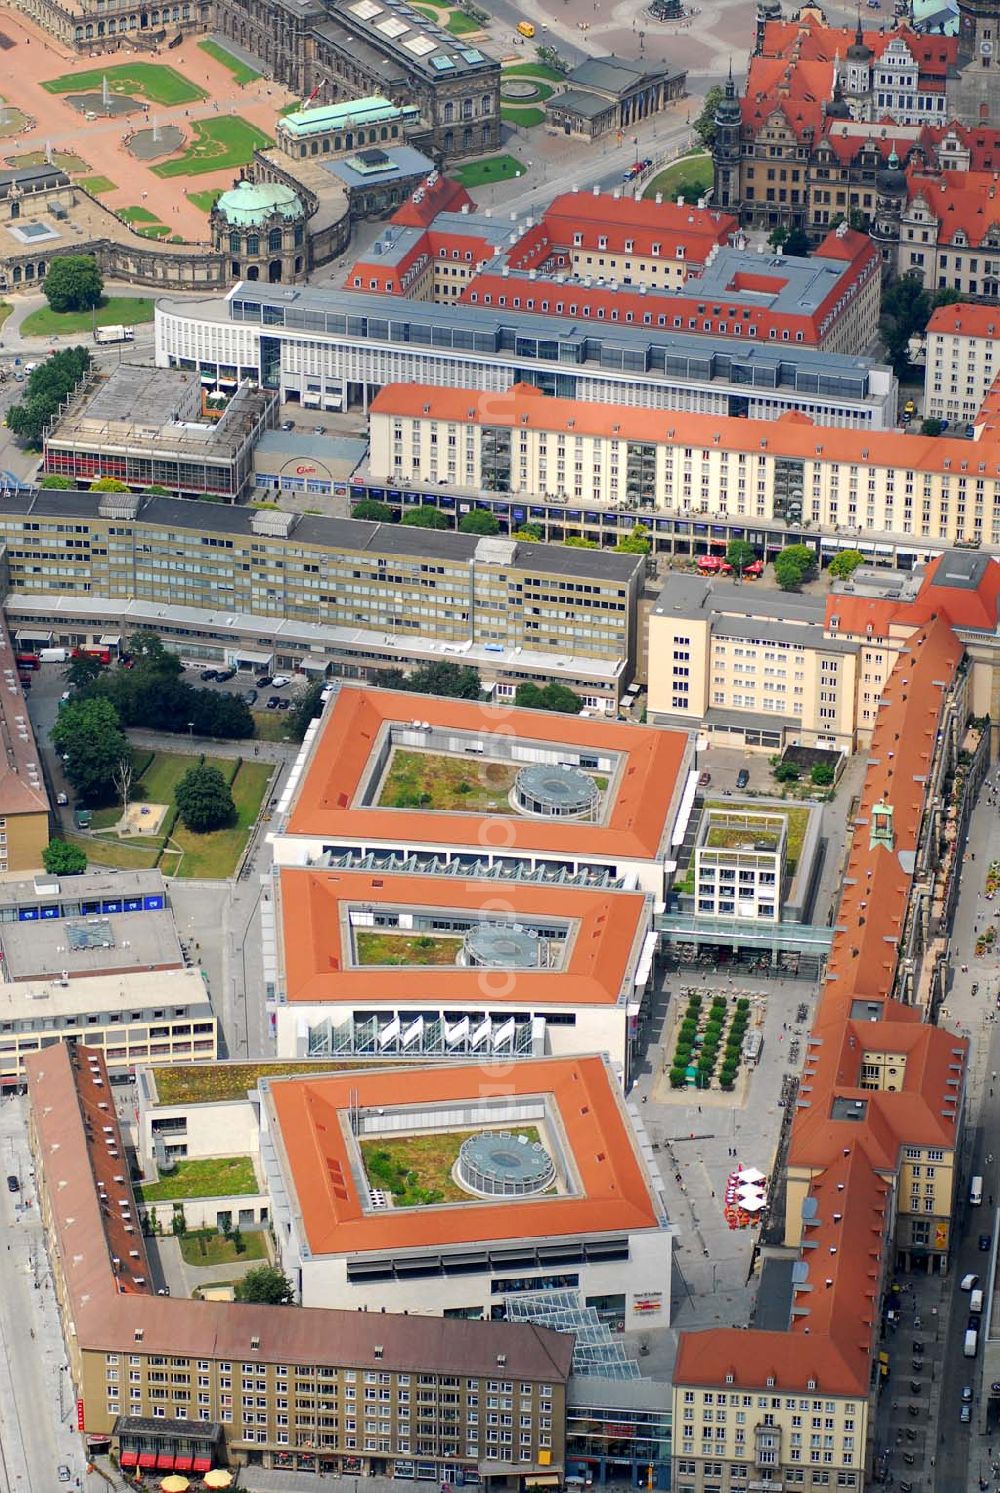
{"x":46,"y":388}
{"x":481,"y":521}
{"x":153,"y":694}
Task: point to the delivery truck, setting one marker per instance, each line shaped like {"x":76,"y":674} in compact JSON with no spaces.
{"x":115,"y":333}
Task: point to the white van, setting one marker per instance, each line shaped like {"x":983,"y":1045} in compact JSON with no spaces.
{"x":976,"y":1191}
{"x":976,"y":1303}
{"x":971,"y":1343}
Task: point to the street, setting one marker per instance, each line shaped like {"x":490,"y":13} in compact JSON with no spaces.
{"x":37,"y":1414}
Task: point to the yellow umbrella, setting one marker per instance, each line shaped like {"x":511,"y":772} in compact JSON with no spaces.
{"x":175,"y":1484}
{"x":217,"y":1478}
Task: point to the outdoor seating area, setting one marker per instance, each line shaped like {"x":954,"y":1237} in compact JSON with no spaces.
{"x":745,"y":1197}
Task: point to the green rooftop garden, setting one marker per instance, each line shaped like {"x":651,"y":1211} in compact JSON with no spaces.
{"x":433,"y":780}
{"x":208,"y":1177}
{"x":797,"y":817}
{"x":416,"y":1169}
{"x":385,"y":946}
{"x":209,"y":1083}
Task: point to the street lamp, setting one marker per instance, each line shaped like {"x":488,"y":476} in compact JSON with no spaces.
{"x":190,"y":730}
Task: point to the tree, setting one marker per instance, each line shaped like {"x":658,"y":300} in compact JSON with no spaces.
{"x":60,"y":859}
{"x":776,"y":238}
{"x":821,"y":774}
{"x":704,"y":125}
{"x":54,"y":479}
{"x":479,"y":521}
{"x":578,"y":542}
{"x":740,"y":554}
{"x":786,"y":772}
{"x":635,"y":543}
{"x":154,"y":490}
{"x":931,"y":427}
{"x":47,"y":386}
{"x":308,"y":707}
{"x":844,"y":564}
{"x":532,"y":532}
{"x":794,"y":565}
{"x":73,"y":283}
{"x":204,"y":800}
{"x":454,"y":681}
{"x":376,"y":513}
{"x":906,"y":309}
{"x":554,"y":696}
{"x":83,"y":670}
{"x":797,"y":243}
{"x":109,"y":484}
{"x":148,"y":651}
{"x":88,"y":735}
{"x":266,"y":1284}
{"x":426,"y":517}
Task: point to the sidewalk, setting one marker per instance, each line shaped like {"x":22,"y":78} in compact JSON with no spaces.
{"x":250,"y":750}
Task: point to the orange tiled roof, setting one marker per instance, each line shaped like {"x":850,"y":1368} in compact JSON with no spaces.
{"x":793,"y":434}
{"x":642,"y":797}
{"x":852,"y":1156}
{"x":966,"y":319}
{"x":423,"y":206}
{"x":614,"y":1190}
{"x":315,"y":905}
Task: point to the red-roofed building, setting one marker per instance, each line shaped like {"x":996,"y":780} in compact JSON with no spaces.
{"x":963,"y":362}
{"x":876,"y":1130}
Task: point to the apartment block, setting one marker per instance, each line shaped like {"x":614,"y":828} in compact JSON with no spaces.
{"x":356,"y":597}
{"x":961,"y":361}
{"x":183,"y":1385}
{"x":133,"y":1020}
{"x":700,"y":469}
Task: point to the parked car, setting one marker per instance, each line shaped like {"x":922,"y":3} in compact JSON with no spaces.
{"x":62,"y":800}
{"x":985,"y":1240}
{"x":224,"y":674}
{"x":704,"y":778}
{"x":742,"y":778}
{"x":273,"y":701}
{"x":13,"y":1185}
{"x":285,"y":704}
{"x":64,"y":1473}
{"x":969,"y":1282}
{"x":288,"y":424}
{"x":280,"y":680}
{"x":207,"y":674}
{"x":263,"y":681}
{"x":250,"y":696}
{"x":965,"y":1415}
{"x":967,"y":1394}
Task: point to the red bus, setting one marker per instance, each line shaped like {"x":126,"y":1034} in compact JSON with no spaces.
{"x":28,"y":661}
{"x":103,"y":655}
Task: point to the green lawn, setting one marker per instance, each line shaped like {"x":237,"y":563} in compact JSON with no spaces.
{"x":527,"y":117}
{"x":384,"y":947}
{"x":217,"y":855}
{"x":271,"y":725}
{"x":66,"y":160}
{"x":164,"y":772}
{"x":218,"y":143}
{"x":209,"y":1177}
{"x":154,"y":230}
{"x":689,"y":171}
{"x":96,"y":185}
{"x":205,"y":201}
{"x":534,"y":70}
{"x":455,"y":21}
{"x":207,"y":1247}
{"x":481,"y":173}
{"x":138,"y":215}
{"x":130,"y":310}
{"x":241,"y":72}
{"x":5,"y":309}
{"x":117,"y":854}
{"x":435,"y":781}
{"x":151,"y":80}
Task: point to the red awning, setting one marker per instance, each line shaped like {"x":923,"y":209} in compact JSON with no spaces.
{"x":164,"y":1461}
{"x":202,"y":1464}
{"x":129,"y":1459}
{"x":183,"y":1464}
{"x":147,"y":1459}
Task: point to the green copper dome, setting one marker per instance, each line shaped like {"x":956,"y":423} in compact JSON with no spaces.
{"x":251,"y":203}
